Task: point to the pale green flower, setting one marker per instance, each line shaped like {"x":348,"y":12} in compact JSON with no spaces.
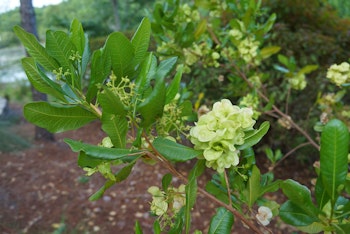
{"x":219,"y":131}
{"x":264,"y":215}
{"x":339,"y":74}
{"x":297,"y":82}
{"x":159,"y":205}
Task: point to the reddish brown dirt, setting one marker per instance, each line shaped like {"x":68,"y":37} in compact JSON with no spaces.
{"x":42,"y":187}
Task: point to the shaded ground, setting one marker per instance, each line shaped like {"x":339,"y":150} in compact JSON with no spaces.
{"x":42,"y":190}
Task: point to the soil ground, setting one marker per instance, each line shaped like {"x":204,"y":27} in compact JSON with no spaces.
{"x":42,"y":190}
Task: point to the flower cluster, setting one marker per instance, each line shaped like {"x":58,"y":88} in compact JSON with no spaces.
{"x":171,"y":201}
{"x":219,"y":131}
{"x":339,"y":74}
{"x":248,"y":49}
{"x":298,"y":81}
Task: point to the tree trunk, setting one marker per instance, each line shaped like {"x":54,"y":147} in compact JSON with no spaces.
{"x":116,"y":14}
{"x":28,"y":22}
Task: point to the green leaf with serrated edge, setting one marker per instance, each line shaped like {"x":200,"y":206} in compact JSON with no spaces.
{"x":301,"y":196}
{"x":152,"y":107}
{"x":156,"y":227}
{"x":35,"y":49}
{"x":253,"y":137}
{"x":100,"y":69}
{"x":334,"y":156}
{"x":140,"y":40}
{"x":321,"y":194}
{"x":165,"y":67}
{"x":116,"y":127}
{"x":167,"y":178}
{"x":121,"y":52}
{"x":295,"y":215}
{"x":253,"y":186}
{"x":137,"y":228}
{"x":121,"y":175}
{"x":111,"y":103}
{"x":100,"y":152}
{"x":40,"y":81}
{"x":174,"y":86}
{"x":57,"y":119}
{"x":221,"y":222}
{"x":173,"y":151}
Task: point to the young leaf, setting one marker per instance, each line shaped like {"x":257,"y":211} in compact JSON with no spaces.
{"x":116,"y":127}
{"x":173,"y":151}
{"x":100,"y":152}
{"x":57,"y":119}
{"x":100,"y":69}
{"x":152,"y":107}
{"x":137,"y":228}
{"x":253,"y":137}
{"x":77,"y":36}
{"x":167,"y":178}
{"x":35,"y":49}
{"x":174,"y":86}
{"x":221,"y":222}
{"x":253,"y":186}
{"x":140,"y":40}
{"x":334,"y":156}
{"x":121,"y":175}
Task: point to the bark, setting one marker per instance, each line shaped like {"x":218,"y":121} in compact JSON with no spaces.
{"x":28,"y":21}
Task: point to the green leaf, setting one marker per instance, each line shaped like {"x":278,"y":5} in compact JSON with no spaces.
{"x":77,"y":36}
{"x":221,"y":222}
{"x":152,"y":107}
{"x":295,"y":215}
{"x":121,"y":52}
{"x":191,"y":195}
{"x":85,"y":160}
{"x":301,"y":196}
{"x":60,"y":47}
{"x":253,"y":186}
{"x":121,"y":175}
{"x":165,"y":67}
{"x":100,"y":69}
{"x":321,"y":194}
{"x":116,"y":127}
{"x":268,"y":51}
{"x":173,"y":151}
{"x":253,"y":137}
{"x":40,"y":81}
{"x":100,"y":152}
{"x":111,"y":103}
{"x":140,"y":40}
{"x":35,"y":49}
{"x":334,"y":156}
{"x":178,"y":224}
{"x":147,"y":71}
{"x":174,"y":86}
{"x":156,"y":227}
{"x":308,"y":69}
{"x":57,"y":119}
{"x":167,"y":178}
{"x":137,"y":228}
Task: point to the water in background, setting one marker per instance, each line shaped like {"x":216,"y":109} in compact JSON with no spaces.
{"x":10,"y":64}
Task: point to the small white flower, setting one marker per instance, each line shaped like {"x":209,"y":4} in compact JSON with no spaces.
{"x":264,"y":215}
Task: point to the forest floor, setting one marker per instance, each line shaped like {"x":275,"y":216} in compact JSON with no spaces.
{"x":42,"y":190}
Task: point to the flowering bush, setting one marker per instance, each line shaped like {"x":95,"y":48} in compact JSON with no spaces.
{"x":339,"y":74}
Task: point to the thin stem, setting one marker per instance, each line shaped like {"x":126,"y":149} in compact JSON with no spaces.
{"x":278,"y":111}
{"x":289,"y":153}
{"x":228,"y":188}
